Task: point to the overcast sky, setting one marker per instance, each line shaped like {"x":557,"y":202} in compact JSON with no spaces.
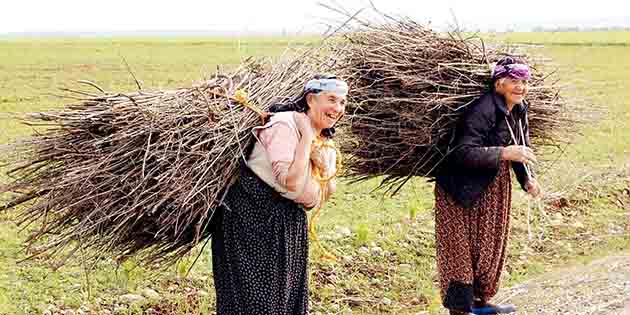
{"x":294,"y":15}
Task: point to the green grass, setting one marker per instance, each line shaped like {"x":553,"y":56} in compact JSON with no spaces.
{"x":395,"y":232}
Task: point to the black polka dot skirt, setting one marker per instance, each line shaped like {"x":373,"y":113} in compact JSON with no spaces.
{"x":260,"y":251}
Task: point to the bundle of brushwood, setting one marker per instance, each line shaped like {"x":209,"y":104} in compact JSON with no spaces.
{"x":409,"y":84}
{"x":140,"y":174}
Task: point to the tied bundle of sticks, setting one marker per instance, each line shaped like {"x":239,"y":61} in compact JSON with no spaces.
{"x":140,"y":174}
{"x":409,"y":86}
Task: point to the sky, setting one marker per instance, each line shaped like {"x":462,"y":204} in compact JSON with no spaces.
{"x":296,"y":16}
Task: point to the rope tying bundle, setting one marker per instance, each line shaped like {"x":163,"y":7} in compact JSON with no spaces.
{"x":323,"y":184}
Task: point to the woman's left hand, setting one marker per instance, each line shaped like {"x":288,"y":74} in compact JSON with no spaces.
{"x":324,"y":159}
{"x":533,"y":187}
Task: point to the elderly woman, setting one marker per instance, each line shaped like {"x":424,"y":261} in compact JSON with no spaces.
{"x":260,"y":247}
{"x":473,"y":193}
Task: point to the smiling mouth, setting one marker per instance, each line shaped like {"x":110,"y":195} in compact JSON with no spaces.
{"x":332,"y":116}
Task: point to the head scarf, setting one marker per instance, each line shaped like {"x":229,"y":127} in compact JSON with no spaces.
{"x":508,"y":67}
{"x":329,"y":85}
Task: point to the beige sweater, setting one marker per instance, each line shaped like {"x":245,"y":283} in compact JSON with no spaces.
{"x":273,"y":172}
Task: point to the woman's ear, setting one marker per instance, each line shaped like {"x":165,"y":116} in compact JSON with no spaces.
{"x":310,"y":98}
{"x":497,"y":85}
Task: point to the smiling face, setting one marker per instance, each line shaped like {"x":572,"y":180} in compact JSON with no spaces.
{"x":325,"y":108}
{"x":513,"y":90}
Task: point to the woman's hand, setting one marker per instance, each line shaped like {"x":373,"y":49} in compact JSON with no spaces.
{"x":318,"y":158}
{"x":324,"y":159}
{"x":304,"y":125}
{"x":518,"y":153}
{"x":533,"y":187}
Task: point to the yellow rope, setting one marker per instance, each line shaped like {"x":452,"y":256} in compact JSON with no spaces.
{"x":241,"y":97}
{"x":323,"y":183}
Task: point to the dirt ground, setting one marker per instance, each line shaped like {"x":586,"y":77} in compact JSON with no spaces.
{"x":601,"y":287}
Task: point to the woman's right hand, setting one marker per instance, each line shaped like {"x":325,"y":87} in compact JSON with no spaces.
{"x":518,"y":153}
{"x":304,"y":125}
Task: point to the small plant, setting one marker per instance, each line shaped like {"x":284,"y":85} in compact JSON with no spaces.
{"x":362,"y":234}
{"x":413,"y":210}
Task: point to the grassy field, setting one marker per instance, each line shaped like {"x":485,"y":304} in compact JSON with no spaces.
{"x":386,"y":263}
{"x":610,"y":38}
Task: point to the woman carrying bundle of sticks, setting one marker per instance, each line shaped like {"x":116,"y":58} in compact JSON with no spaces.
{"x":260,"y":247}
{"x":473,"y":193}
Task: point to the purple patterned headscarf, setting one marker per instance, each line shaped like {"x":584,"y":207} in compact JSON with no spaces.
{"x":508,"y":67}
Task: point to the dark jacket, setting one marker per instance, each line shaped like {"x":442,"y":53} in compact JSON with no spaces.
{"x":475,"y":150}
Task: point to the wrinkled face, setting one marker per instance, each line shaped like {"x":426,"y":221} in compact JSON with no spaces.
{"x":325,"y":108}
{"x":513,"y":90}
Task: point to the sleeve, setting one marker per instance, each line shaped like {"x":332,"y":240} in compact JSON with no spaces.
{"x":469,"y":150}
{"x":311,"y":196}
{"x":280,"y":142}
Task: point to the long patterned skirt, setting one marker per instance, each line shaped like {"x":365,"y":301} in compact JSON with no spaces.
{"x":260,"y":251}
{"x":471,"y":242}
